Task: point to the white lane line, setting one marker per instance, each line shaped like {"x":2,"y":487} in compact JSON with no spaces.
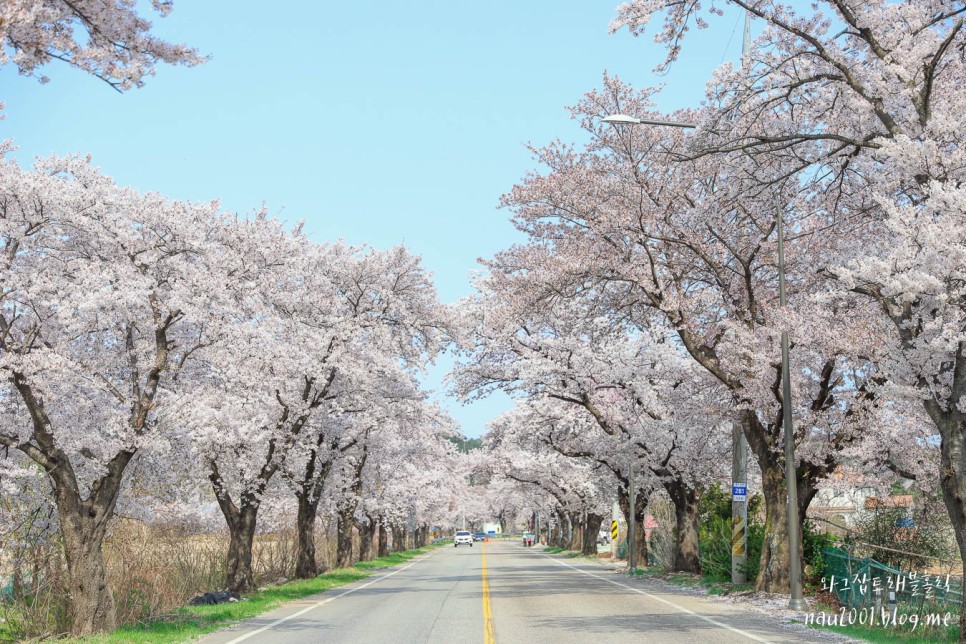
{"x":662,"y":600}
{"x":245,"y":636}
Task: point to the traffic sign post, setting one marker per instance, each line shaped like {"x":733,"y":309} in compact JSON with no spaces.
{"x":614,"y":529}
{"x":739,"y":506}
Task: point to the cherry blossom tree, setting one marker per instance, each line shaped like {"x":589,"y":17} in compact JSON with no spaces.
{"x":582,"y":488}
{"x":634,"y":224}
{"x":107,"y":296}
{"x":314,"y":324}
{"x":640,"y":401}
{"x":328,"y":439}
{"x":410,"y":475}
{"x":378,"y":457}
{"x":866,"y":96}
{"x":108,"y":39}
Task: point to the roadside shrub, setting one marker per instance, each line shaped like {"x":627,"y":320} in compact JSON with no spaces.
{"x":714,"y":535}
{"x":813,"y":543}
{"x":924,"y":531}
{"x":714,"y":545}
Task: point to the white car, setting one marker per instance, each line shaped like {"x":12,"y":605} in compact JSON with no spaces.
{"x":463,"y":537}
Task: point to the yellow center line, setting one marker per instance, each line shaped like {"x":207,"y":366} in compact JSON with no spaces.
{"x":488,"y":636}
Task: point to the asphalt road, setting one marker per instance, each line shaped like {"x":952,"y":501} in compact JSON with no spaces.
{"x":505,"y":593}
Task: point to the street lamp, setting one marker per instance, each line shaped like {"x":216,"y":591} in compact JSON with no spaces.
{"x":632,"y":535}
{"x":624,"y":119}
{"x":797,"y":601}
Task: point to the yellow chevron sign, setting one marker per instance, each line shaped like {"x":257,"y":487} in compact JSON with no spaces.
{"x":613,"y":530}
{"x":737,"y":537}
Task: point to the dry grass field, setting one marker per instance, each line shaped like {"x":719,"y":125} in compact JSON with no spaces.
{"x":153,"y":569}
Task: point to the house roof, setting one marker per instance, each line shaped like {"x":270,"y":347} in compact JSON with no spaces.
{"x":898,"y":501}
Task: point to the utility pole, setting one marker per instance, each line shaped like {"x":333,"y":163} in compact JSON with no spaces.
{"x":632,"y":519}
{"x":739,"y":444}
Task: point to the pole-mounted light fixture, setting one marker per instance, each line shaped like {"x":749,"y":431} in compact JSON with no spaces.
{"x":624,"y":119}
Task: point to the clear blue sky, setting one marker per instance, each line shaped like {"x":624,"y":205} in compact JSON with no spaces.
{"x":376,"y":122}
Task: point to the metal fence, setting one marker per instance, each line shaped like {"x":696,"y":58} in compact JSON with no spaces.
{"x":864,"y":582}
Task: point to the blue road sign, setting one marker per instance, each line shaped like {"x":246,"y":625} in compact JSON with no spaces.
{"x":739,"y":492}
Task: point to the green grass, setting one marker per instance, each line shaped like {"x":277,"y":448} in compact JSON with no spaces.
{"x":899,"y":635}
{"x":718,"y":588}
{"x":191,"y":621}
{"x":570,"y":554}
{"x":646,"y":573}
{"x":394,"y":559}
{"x":687,"y":580}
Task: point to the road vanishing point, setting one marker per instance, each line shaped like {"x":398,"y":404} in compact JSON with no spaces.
{"x":502,"y":592}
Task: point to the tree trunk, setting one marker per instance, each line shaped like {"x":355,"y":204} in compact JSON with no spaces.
{"x":565,"y":529}
{"x":773,"y":570}
{"x":83,"y":524}
{"x":343,"y":549}
{"x":91,"y":602}
{"x":420,"y":537}
{"x":685,"y":499}
{"x":383,"y":541}
{"x":306,"y":566}
{"x":241,"y":520}
{"x":17,"y":590}
{"x":366,"y":528}
{"x":398,"y":539}
{"x":576,"y":531}
{"x":641,"y":536}
{"x":591,"y":529}
{"x":558,"y":531}
{"x":773,"y":564}
{"x":241,"y":530}
{"x":952,"y":478}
